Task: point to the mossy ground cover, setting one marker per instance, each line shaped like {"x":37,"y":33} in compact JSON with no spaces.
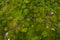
{"x":30,"y":19}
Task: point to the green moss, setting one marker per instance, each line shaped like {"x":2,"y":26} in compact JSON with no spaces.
{"x":29,"y":19}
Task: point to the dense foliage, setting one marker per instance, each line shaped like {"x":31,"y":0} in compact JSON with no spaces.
{"x":27,"y":20}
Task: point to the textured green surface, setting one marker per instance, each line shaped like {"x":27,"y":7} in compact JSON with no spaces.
{"x":27,"y":20}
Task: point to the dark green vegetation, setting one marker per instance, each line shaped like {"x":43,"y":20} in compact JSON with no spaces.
{"x":27,"y":19}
